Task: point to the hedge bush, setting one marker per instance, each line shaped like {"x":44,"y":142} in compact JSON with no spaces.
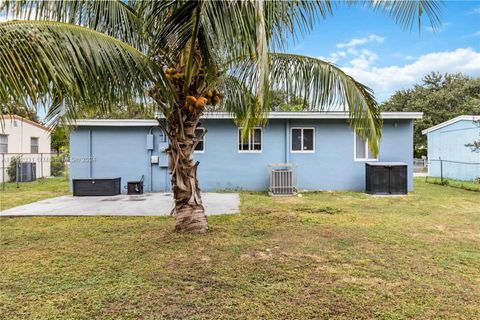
{"x":57,"y":166}
{"x":12,"y":168}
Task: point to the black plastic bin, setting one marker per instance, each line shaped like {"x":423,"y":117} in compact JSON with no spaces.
{"x":96,"y":187}
{"x":135,"y":187}
{"x":386,"y":178}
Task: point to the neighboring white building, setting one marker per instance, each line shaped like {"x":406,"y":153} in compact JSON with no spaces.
{"x":20,"y":136}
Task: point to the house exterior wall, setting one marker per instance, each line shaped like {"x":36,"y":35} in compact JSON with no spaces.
{"x":19,"y":132}
{"x":103,"y":152}
{"x":122,"y":152}
{"x":448,"y":143}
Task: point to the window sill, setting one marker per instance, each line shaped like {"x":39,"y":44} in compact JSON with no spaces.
{"x":365,"y":160}
{"x":308,"y":151}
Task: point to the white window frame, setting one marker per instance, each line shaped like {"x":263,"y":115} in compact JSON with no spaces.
{"x":249,"y":141}
{"x":367,"y":148}
{"x":6,"y":143}
{"x":301,"y":140}
{"x":203,"y":138}
{"x":38,"y":145}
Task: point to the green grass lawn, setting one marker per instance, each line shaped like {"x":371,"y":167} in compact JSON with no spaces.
{"x":32,"y":191}
{"x":467,"y":185}
{"x":324,"y":255}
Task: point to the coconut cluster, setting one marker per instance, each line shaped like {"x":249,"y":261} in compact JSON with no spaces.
{"x":174,"y":75}
{"x":211,"y":97}
{"x":194,"y":103}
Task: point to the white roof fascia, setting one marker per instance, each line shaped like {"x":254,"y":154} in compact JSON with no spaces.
{"x":449,"y":122}
{"x":225,"y":115}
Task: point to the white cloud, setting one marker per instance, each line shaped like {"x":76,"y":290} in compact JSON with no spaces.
{"x":402,"y":56}
{"x":363,"y":60}
{"x":439,"y":29}
{"x":359,"y":41}
{"x":350,"y":49}
{"x":385,"y":80}
{"x":476,"y":34}
{"x":475,"y":10}
{"x":334,"y":57}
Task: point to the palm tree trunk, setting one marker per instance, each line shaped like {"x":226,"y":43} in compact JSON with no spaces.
{"x":189,"y":211}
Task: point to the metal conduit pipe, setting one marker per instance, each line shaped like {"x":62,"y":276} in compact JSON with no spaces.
{"x":150,"y":171}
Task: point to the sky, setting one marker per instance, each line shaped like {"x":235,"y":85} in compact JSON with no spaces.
{"x":379,"y":53}
{"x":374,"y":50}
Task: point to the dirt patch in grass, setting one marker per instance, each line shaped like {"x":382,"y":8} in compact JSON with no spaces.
{"x":319,"y":210}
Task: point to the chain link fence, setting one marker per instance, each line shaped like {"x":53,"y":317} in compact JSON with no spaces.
{"x":460,"y":174}
{"x":26,"y":167}
{"x":450,"y":169}
{"x":420,"y":165}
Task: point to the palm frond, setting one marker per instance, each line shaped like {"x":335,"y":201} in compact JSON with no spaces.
{"x":261,"y":61}
{"x":226,"y":25}
{"x":116,"y":18}
{"x":293,"y":19}
{"x":238,"y":98}
{"x":322,"y":85}
{"x":45,"y":62}
{"x":408,"y":13}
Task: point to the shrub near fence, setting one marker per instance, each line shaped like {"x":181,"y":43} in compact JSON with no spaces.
{"x":12,"y":168}
{"x":58,"y":166}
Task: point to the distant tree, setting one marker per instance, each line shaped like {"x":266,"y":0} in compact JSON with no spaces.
{"x":60,"y":139}
{"x":281,"y":101}
{"x":440,"y":98}
{"x":433,"y":80}
{"x":131,"y":111}
{"x":20,"y":111}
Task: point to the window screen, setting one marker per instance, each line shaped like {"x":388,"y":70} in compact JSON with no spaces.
{"x":297,"y":139}
{"x":252,"y":143}
{"x":3,"y":143}
{"x":362,"y":149}
{"x":303,"y":139}
{"x":33,"y":145}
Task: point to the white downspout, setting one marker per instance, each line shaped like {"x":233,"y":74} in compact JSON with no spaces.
{"x":90,"y":160}
{"x":287,"y":141}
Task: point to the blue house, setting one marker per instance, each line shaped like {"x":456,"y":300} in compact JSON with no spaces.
{"x":326,"y":152}
{"x":448,"y":155}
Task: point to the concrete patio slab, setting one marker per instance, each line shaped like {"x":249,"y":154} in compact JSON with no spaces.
{"x":149,"y":204}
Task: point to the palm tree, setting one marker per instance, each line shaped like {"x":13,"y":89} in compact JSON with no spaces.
{"x":186,"y":57}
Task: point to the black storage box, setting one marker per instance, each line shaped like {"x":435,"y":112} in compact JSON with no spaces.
{"x":386,"y":178}
{"x":96,"y":187}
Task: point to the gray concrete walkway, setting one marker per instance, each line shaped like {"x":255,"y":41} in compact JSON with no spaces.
{"x":150,"y":204}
